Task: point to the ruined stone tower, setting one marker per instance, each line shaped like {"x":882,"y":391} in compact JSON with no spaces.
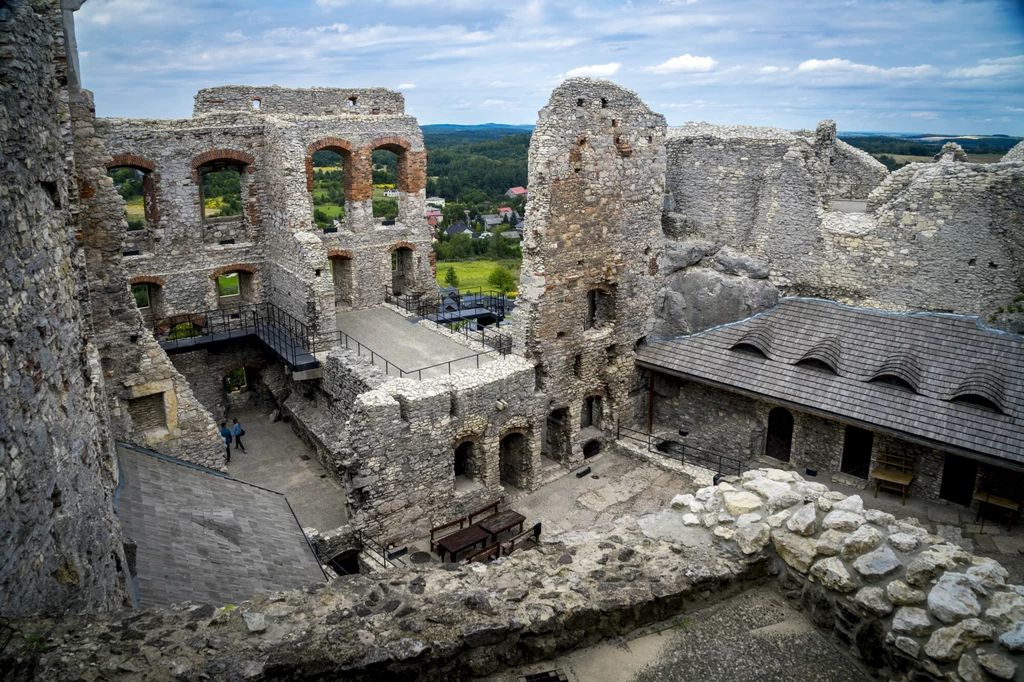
{"x":590,"y":255}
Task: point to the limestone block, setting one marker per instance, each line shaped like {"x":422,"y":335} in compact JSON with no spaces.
{"x":910,"y":620}
{"x":691,"y":520}
{"x":988,"y":572}
{"x":810,"y":490}
{"x":747,"y":519}
{"x":254,"y":622}
{"x":904,"y":542}
{"x":752,"y":538}
{"x":969,"y":670}
{"x":682,"y":501}
{"x":777,"y":519}
{"x":740,"y":502}
{"x":927,"y":565}
{"x":804,"y":520}
{"x":908,"y":646}
{"x":874,"y":599}
{"x":824,"y":504}
{"x":903,"y":594}
{"x":679,"y":255}
{"x":765,"y":487}
{"x":952,"y":599}
{"x":830,"y":542}
{"x":1005,"y":608}
{"x":878,"y":517}
{"x":732,"y":262}
{"x":1013,"y":639}
{"x":853,"y":503}
{"x":996,"y":664}
{"x":948,"y":644}
{"x":795,"y":550}
{"x":833,"y":575}
{"x":723,"y":532}
{"x":877,"y":564}
{"x":862,"y":540}
{"x":842,"y":520}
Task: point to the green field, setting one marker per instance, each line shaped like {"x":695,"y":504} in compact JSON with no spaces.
{"x":473,"y":274}
{"x":134,"y":209}
{"x":331,"y":210}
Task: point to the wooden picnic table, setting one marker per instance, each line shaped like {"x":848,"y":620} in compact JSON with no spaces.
{"x":461,"y":540}
{"x":501,"y":522}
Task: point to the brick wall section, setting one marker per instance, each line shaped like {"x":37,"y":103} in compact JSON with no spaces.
{"x":132,"y":161}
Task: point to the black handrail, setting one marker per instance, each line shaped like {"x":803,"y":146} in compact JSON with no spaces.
{"x":431,"y":308}
{"x":682,"y":453}
{"x":378,"y":552}
{"x":349,"y":342}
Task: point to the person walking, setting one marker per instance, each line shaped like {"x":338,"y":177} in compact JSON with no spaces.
{"x":237,"y":431}
{"x":225,"y":433}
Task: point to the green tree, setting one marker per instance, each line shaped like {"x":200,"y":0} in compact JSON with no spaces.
{"x":502,"y":279}
{"x":450,"y":277}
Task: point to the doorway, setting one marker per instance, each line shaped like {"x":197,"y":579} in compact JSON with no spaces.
{"x":402,"y":270}
{"x":857,"y":444}
{"x":514,"y":460}
{"x":780,"y":434}
{"x":344,"y":282}
{"x":959,"y":475}
{"x":557,"y":439}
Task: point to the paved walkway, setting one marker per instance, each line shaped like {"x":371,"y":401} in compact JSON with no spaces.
{"x":755,"y":637}
{"x":408,"y":344}
{"x":278,"y":459}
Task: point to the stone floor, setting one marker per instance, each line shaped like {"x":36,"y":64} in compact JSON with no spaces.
{"x":277,"y":459}
{"x":617,"y":485}
{"x":757,"y":636}
{"x":954,"y":523}
{"x":405,"y":342}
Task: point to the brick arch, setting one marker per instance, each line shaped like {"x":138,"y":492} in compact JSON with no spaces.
{"x":402,"y":245}
{"x":523,"y":431}
{"x":251,"y":364}
{"x":168,"y":323}
{"x":462,"y":440}
{"x":333,"y":143}
{"x":219,"y":154}
{"x":412,"y":166}
{"x":341,"y":253}
{"x":146,"y":279}
{"x":390,"y":141}
{"x":131,"y":161}
{"x":234,"y":267}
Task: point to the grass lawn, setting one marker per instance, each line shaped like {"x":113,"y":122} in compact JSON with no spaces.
{"x":134,"y":209}
{"x":474,"y":273}
{"x":332,"y":210}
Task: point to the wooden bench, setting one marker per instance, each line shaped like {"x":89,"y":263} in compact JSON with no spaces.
{"x":437,"y":530}
{"x":893,"y":472}
{"x":531,"y":535}
{"x":492,"y":551}
{"x":485,"y":512}
{"x":1005,"y":503}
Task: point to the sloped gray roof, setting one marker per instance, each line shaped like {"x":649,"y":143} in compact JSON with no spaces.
{"x":942,"y":356}
{"x":205,"y":537}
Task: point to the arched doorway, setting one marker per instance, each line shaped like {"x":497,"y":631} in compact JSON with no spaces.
{"x":403,"y":270}
{"x":780,"y":434}
{"x":343,"y":274}
{"x":514,"y":460}
{"x":591,"y":448}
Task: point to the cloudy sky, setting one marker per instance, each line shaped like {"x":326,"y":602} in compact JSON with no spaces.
{"x":944,"y":66}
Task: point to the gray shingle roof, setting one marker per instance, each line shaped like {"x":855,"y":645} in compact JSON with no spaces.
{"x":943,"y":356}
{"x":208,"y":538}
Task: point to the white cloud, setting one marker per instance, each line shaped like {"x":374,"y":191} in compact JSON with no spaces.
{"x":407,"y":86}
{"x":840,"y":66}
{"x":594,"y":71}
{"x":925,"y":114}
{"x":988,"y":68}
{"x":493,"y":103}
{"x":773,"y":69}
{"x":686,"y":63}
{"x":330,"y":4}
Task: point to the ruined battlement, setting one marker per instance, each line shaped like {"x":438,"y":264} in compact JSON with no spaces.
{"x":298,"y":101}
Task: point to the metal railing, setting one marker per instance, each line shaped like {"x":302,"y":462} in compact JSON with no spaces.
{"x":347,"y":341}
{"x":446,"y":311}
{"x":682,"y":453}
{"x":374,"y":550}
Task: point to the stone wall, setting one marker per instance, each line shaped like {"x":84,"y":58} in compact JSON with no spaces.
{"x":60,"y":545}
{"x":205,"y":371}
{"x":305,"y":102}
{"x":591,"y":248}
{"x":924,"y":240}
{"x":906,"y":604}
{"x":730,"y":424}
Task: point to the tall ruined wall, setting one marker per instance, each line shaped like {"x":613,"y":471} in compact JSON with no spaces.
{"x":591,"y":248}
{"x":60,"y":545}
{"x":307,"y":102}
{"x":922,"y":241}
{"x":137,"y":371}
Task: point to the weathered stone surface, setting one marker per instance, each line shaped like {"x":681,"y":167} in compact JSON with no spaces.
{"x":862,"y":540}
{"x":723,"y":532}
{"x":996,"y":665}
{"x":1005,"y":608}
{"x":927,"y":565}
{"x":795,"y":550}
{"x":1013,"y":638}
{"x":740,"y":502}
{"x":833,"y":575}
{"x":989,"y":573}
{"x":733,"y":262}
{"x":842,"y":520}
{"x":877,"y":564}
{"x":910,"y":620}
{"x":952,"y":599}
{"x":904,"y":542}
{"x":903,"y":594}
{"x":830,"y":542}
{"x":254,"y":622}
{"x":679,"y":255}
{"x":777,"y":519}
{"x":878,"y":517}
{"x":752,"y":538}
{"x":969,"y":670}
{"x":853,"y":503}
{"x":908,"y":646}
{"x":803,"y":521}
{"x":873,"y":599}
{"x":947,"y":644}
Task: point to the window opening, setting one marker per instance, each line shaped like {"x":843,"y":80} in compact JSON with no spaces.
{"x":141,"y":294}
{"x":221,"y":193}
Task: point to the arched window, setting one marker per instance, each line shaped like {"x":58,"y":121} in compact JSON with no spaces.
{"x":148,"y":294}
{"x":894,"y":381}
{"x":977,"y":400}
{"x":591,"y":413}
{"x":396,"y":174}
{"x":817,"y":365}
{"x":329,"y":178}
{"x":780,"y":434}
{"x":235,"y":285}
{"x":223,"y":178}
{"x":135,"y":180}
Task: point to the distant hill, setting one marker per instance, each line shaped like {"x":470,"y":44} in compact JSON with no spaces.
{"x":446,"y":134}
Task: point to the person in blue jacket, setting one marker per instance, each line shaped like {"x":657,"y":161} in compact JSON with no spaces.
{"x":225,"y":433}
{"x":237,"y":431}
